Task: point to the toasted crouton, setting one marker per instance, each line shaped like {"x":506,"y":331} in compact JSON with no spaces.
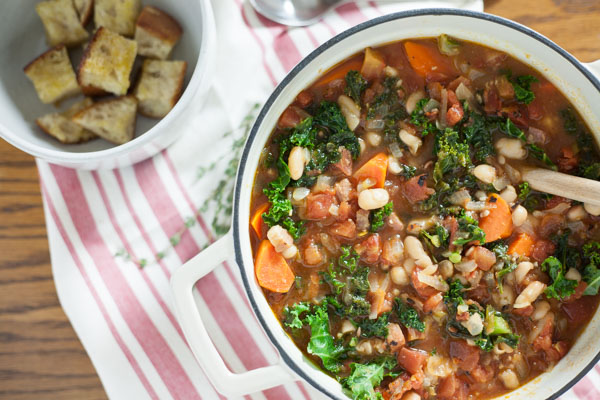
{"x":52,"y":75}
{"x":113,"y":119}
{"x":60,"y":126}
{"x":106,"y":63}
{"x":117,"y":15}
{"x":156,"y":33}
{"x":61,"y":22}
{"x":159,"y":86}
{"x":84,"y":10}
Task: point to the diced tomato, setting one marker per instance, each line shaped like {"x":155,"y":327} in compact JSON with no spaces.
{"x":415,"y":189}
{"x":447,"y":387}
{"x":466,"y":356}
{"x":317,"y":205}
{"x":542,"y":249}
{"x":483,"y":257}
{"x":424,"y":290}
{"x":432,"y":302}
{"x":304,"y":98}
{"x":543,"y":341}
{"x":369,"y":249}
{"x":482,"y":374}
{"x":395,"y":338}
{"x":454,"y":115}
{"x":412,"y":360}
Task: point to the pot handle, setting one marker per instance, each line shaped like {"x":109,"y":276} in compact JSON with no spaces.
{"x":594,"y":67}
{"x":225,"y":381}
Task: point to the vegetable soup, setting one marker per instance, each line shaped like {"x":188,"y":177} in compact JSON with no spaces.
{"x":394,"y":237}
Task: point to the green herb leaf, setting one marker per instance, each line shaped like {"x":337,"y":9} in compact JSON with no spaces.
{"x":408,"y":316}
{"x":291,"y":315}
{"x":374,"y":327}
{"x":378,"y":216}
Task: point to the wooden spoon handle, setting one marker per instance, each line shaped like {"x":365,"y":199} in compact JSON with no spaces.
{"x":559,"y":184}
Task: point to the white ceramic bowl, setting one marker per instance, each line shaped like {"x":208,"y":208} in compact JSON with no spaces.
{"x":22,"y":39}
{"x":573,"y":78}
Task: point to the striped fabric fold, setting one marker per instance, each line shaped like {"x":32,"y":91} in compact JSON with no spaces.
{"x":116,"y":236}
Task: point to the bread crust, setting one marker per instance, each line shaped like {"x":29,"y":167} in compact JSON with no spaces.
{"x":156,"y":33}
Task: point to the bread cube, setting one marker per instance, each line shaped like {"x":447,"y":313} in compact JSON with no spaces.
{"x":52,"y":75}
{"x":84,"y":10}
{"x":117,"y":15}
{"x":159,"y":86}
{"x":61,"y":23}
{"x":112,"y":119}
{"x":106,"y":63}
{"x":156,"y":33}
{"x":60,"y":126}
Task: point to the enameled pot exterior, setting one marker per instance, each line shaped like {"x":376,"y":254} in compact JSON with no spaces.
{"x":573,"y":78}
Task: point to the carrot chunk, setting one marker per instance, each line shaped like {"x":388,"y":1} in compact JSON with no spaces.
{"x":427,"y":61}
{"x":375,"y":168}
{"x":522,"y":245}
{"x":498,"y":223}
{"x":272,"y":271}
{"x":257,"y":222}
{"x":339,"y":72}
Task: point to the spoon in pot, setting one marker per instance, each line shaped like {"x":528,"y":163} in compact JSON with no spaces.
{"x":568,"y":186}
{"x":294,"y":12}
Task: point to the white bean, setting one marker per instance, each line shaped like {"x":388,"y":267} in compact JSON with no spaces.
{"x":519,"y":215}
{"x":509,"y":379}
{"x":592,"y":209}
{"x":485,"y":173}
{"x":541,"y":309}
{"x":371,"y":199}
{"x":362,"y":145}
{"x":393,"y":165}
{"x":280,"y":238}
{"x":529,"y":294}
{"x":413,"y":247}
{"x":507,"y":297}
{"x":350,"y":111}
{"x":347,"y":326}
{"x":413,"y":99}
{"x":364,"y":347}
{"x":509,"y":194}
{"x":573,"y":275}
{"x":522,"y":269}
{"x":297,"y":160}
{"x":576,"y":213}
{"x":390,"y":71}
{"x":399,"y":276}
{"x":411,"y":396}
{"x":446,"y":269}
{"x":290,"y":252}
{"x":411,"y":141}
{"x":511,"y":148}
{"x":409,"y":265}
{"x":373,"y":138}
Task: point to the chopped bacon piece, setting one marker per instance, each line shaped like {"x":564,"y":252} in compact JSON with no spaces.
{"x":312,"y":253}
{"x":345,"y":211}
{"x":394,"y":222}
{"x":465,"y":356}
{"x":554,"y":201}
{"x":482,"y":374}
{"x":550,"y":224}
{"x":395,"y":338}
{"x":393,"y":250}
{"x":452,"y":99}
{"x":424,"y":290}
{"x":451,"y":225}
{"x":524,"y":312}
{"x":412,"y":334}
{"x":345,"y":163}
{"x":433,"y":302}
{"x":491,"y":100}
{"x":346,"y":229}
{"x":403,"y":384}
{"x":542,"y":249}
{"x":557,"y":351}
{"x":415,"y":189}
{"x":447,"y":387}
{"x":344,"y":190}
{"x":483,"y":257}
{"x":289,"y":118}
{"x":317,"y":205}
{"x":304,"y":98}
{"x":505,"y":88}
{"x":537,"y":136}
{"x":412,"y":360}
{"x":334,"y":89}
{"x":456,"y":83}
{"x":516,"y":115}
{"x":369,"y":249}
{"x":535,"y":110}
{"x":568,"y":160}
{"x":434,"y":89}
{"x":362,"y":220}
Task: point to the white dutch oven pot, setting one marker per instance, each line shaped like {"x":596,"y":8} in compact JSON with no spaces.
{"x":576,"y":81}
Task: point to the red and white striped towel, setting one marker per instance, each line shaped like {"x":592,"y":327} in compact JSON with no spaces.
{"x":104,"y":225}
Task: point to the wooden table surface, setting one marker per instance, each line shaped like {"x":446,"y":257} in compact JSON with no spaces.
{"x":40,"y":355}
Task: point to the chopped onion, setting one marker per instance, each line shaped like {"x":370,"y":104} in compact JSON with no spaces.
{"x":365,"y":184}
{"x":474,"y":74}
{"x":443,"y":108}
{"x":474,"y":324}
{"x":434,"y":281}
{"x":501,"y":182}
{"x":475,"y":206}
{"x":375,"y":124}
{"x":466,"y":266}
{"x":430,"y":270}
{"x":460,"y":197}
{"x":432,"y":104}
{"x":513,"y":174}
{"x":559,"y":209}
{"x":576,"y":226}
{"x":324,"y":182}
{"x":463,"y":92}
{"x":413,"y":99}
{"x":300,"y":193}
{"x":396,"y":150}
{"x":333,"y":209}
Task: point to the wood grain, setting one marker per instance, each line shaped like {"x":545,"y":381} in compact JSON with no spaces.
{"x":40,"y":355}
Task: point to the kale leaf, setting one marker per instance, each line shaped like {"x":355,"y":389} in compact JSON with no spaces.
{"x":355,"y":85}
{"x":418,"y":118}
{"x":500,"y":250}
{"x":386,"y":102}
{"x":438,"y":237}
{"x":510,"y":129}
{"x":479,"y":135}
{"x":408,"y":316}
{"x":408,"y":171}
{"x":291,"y":314}
{"x":374,"y":327}
{"x":321,"y":343}
{"x":364,"y":378}
{"x":468,"y":230}
{"x":452,"y":154}
{"x":377,"y":217}
{"x":561,"y":287}
{"x":591,"y":272}
{"x":522,"y":85}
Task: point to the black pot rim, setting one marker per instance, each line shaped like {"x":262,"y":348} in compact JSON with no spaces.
{"x":247,"y":281}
